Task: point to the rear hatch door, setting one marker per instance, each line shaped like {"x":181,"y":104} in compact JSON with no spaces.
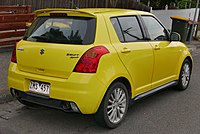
{"x":53,"y":45}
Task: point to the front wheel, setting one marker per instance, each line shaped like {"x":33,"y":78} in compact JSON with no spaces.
{"x":114,"y":106}
{"x":184,"y":77}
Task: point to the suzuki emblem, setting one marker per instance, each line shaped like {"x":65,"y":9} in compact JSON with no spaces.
{"x":42,"y":51}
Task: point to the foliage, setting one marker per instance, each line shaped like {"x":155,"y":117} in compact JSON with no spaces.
{"x":182,"y":3}
{"x":160,"y":4}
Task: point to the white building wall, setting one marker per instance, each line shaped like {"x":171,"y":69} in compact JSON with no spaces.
{"x":164,"y":15}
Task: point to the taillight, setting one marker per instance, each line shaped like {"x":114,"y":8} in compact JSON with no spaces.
{"x":14,"y":57}
{"x":88,"y":63}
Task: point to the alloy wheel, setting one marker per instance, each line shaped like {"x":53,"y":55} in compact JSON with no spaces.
{"x":185,"y":77}
{"x":116,"y":105}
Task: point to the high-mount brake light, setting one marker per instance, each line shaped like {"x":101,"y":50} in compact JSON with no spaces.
{"x":88,"y":63}
{"x":58,"y":14}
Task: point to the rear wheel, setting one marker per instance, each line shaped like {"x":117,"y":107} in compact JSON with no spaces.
{"x":184,"y":77}
{"x":114,"y":106}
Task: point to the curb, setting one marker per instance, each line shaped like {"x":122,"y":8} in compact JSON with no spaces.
{"x":5,"y":96}
{"x":193,"y":47}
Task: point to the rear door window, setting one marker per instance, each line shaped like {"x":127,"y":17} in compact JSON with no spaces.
{"x":128,"y":28}
{"x":65,"y":30}
{"x":117,"y":29}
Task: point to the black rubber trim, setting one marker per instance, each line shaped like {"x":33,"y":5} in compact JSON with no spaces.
{"x":43,"y":101}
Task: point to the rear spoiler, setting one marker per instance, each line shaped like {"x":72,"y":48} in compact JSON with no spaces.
{"x":63,"y":10}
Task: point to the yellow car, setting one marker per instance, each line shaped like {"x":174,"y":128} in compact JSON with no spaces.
{"x":95,"y":61}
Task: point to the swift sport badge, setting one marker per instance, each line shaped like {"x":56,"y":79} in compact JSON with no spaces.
{"x":72,"y":55}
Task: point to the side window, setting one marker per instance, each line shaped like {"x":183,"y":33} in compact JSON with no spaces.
{"x":117,"y":29}
{"x":155,"y":29}
{"x":130,"y":28}
{"x":127,"y":29}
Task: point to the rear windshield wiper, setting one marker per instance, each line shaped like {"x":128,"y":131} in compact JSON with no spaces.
{"x":127,"y":32}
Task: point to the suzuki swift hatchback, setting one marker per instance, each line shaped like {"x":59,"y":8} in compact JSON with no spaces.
{"x":94,"y":61}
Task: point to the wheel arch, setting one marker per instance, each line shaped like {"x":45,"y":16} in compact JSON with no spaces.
{"x":100,"y":116}
{"x":121,"y":79}
{"x":190,"y":60}
{"x":181,"y":83}
{"x":181,"y":63}
{"x":126,"y":83}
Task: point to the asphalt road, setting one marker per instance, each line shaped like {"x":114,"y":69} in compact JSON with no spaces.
{"x":167,"y":112}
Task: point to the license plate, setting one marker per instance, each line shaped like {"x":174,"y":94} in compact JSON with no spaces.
{"x":39,"y":87}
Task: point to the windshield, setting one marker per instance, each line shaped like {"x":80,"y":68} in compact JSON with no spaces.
{"x":65,"y":30}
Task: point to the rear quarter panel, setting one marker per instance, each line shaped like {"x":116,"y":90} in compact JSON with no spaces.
{"x":110,"y":67}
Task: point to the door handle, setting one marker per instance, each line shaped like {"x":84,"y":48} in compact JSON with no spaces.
{"x":126,"y":50}
{"x":39,"y":70}
{"x":157,"y":47}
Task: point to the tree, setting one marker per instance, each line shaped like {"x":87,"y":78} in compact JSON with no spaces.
{"x":113,"y":3}
{"x":183,"y":3}
{"x":160,"y":4}
{"x":157,"y":4}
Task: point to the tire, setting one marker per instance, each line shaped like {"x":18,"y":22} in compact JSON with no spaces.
{"x":185,"y":74}
{"x":114,"y":106}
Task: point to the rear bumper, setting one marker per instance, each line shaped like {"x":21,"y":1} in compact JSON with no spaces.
{"x":85,"y":90}
{"x":44,"y":101}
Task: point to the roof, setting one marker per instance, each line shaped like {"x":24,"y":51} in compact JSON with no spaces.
{"x":104,"y":10}
{"x":93,"y":11}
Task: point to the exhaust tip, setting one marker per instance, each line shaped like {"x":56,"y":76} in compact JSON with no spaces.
{"x":74,"y":107}
{"x":69,"y":106}
{"x":66,"y":106}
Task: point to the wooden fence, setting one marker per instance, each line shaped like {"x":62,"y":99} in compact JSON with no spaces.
{"x":38,"y":4}
{"x":13,"y":23}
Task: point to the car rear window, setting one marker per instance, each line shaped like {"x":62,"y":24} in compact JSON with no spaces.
{"x":65,"y":30}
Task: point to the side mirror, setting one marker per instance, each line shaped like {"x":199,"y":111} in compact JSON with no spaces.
{"x":175,"y":36}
